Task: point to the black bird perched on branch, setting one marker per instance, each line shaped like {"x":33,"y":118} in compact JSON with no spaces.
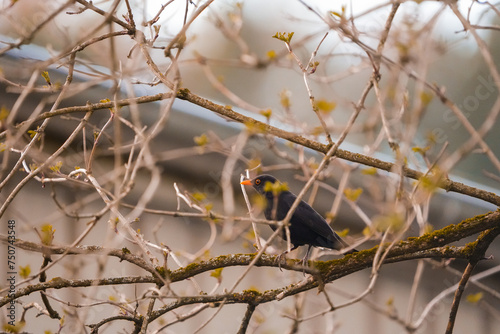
{"x":307,"y":227}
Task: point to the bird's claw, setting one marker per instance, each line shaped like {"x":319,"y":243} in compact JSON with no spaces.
{"x":304,"y":264}
{"x":279,"y":259}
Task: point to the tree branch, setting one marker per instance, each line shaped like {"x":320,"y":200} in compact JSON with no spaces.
{"x":482,"y":244}
{"x":446,"y":184}
{"x":246,"y":319}
{"x":123,"y":254}
{"x":426,"y":246}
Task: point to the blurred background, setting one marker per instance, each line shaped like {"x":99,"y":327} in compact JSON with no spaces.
{"x":257,"y":69}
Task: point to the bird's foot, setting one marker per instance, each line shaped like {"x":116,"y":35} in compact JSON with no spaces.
{"x":279,"y":259}
{"x":304,"y":263}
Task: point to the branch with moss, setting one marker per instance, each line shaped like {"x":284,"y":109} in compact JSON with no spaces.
{"x":430,"y":245}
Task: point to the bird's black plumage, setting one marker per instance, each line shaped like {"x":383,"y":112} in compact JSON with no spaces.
{"x":307,"y":227}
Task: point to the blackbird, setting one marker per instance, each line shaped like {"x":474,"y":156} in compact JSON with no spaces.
{"x":307,"y":227}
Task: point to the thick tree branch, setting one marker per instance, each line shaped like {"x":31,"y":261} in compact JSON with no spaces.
{"x":331,"y":270}
{"x":427,"y":246}
{"x":226,"y":112}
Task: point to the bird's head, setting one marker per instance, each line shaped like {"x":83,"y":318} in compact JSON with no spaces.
{"x":266,"y":184}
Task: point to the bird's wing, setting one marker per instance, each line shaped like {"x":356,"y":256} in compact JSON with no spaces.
{"x":311,"y":218}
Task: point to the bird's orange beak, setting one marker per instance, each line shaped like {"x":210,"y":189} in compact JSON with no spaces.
{"x":246,"y":182}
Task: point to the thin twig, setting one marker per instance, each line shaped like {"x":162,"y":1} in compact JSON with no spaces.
{"x":483,"y":242}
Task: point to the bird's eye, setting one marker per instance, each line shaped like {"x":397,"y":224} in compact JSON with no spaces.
{"x":257,"y":182}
